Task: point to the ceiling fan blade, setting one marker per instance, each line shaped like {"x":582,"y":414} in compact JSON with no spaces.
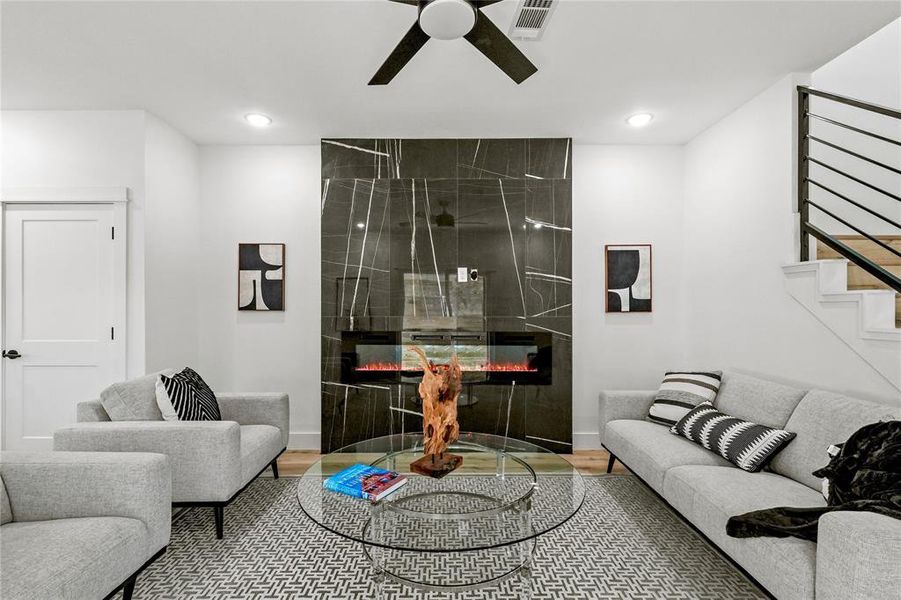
{"x":492,"y":42}
{"x":414,"y":39}
{"x":416,"y":2}
{"x":476,"y":3}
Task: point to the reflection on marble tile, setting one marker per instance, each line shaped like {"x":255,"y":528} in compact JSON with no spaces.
{"x":398,"y":219}
{"x":548,"y":247}
{"x":549,"y":159}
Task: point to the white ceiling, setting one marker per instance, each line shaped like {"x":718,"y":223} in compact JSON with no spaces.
{"x":202,"y":65}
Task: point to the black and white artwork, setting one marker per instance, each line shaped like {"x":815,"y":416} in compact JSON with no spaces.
{"x":628,"y":278}
{"x":261,"y":277}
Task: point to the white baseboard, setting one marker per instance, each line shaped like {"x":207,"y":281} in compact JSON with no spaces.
{"x":304,"y":440}
{"x":586,"y":440}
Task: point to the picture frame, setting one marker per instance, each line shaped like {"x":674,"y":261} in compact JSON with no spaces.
{"x":628,"y":278}
{"x":261,"y":277}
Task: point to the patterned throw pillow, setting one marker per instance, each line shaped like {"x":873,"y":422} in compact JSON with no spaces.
{"x":747,"y":445}
{"x":186,"y":397}
{"x":680,"y":392}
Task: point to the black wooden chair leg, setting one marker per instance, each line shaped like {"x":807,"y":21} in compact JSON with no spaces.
{"x":219,"y":516}
{"x":129,"y":588}
{"x":275,"y":468}
{"x":610,"y":462}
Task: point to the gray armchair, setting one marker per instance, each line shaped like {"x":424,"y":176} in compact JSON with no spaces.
{"x":80,"y":524}
{"x":212,"y":461}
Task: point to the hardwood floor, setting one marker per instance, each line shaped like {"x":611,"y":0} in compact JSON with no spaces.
{"x":588,"y":462}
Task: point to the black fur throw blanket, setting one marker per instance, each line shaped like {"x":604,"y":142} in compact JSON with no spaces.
{"x":864,"y":475}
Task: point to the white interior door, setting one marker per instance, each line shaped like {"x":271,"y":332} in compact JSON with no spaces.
{"x":60,"y":315}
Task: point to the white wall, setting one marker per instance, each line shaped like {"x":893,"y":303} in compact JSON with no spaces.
{"x":172,"y":223}
{"x":870,"y":71}
{"x":86,"y":149}
{"x":739,"y":229}
{"x":624,"y":195}
{"x":262,"y":194}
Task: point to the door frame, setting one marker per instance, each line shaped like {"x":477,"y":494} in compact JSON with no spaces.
{"x":118,"y":198}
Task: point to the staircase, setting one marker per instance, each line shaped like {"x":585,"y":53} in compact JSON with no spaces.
{"x":849,"y":177}
{"x":864,"y":319}
{"x":858,"y":279}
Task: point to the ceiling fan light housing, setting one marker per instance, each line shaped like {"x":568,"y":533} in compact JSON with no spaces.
{"x":447,"y":19}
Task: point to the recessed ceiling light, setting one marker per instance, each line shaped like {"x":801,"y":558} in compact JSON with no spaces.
{"x":258,"y":119}
{"x":361,"y":225}
{"x":640,"y":119}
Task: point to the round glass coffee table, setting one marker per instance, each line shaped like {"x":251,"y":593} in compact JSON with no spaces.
{"x":475,"y":527}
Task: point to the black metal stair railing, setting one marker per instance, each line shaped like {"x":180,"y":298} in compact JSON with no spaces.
{"x":805,"y":181}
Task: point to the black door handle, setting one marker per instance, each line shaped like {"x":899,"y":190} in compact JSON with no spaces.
{"x":12,"y":354}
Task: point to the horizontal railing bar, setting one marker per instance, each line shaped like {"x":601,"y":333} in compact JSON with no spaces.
{"x":857,"y":229}
{"x":876,"y":108}
{"x":857,"y":129}
{"x":855,"y":203}
{"x":853,"y":178}
{"x":858,"y":259}
{"x":855,"y":154}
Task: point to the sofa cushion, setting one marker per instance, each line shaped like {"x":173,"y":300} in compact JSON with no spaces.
{"x":747,"y":445}
{"x":765,"y":402}
{"x":259,"y":445}
{"x":133,"y":400}
{"x":708,"y":496}
{"x":649,"y":450}
{"x":681,"y":391}
{"x":6,"y":511}
{"x":186,"y":397}
{"x":820,"y":420}
{"x":69,"y":558}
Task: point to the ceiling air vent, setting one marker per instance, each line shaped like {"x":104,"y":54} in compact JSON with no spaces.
{"x":531,"y":18}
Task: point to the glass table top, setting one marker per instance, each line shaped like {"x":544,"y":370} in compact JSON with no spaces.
{"x":506,"y":491}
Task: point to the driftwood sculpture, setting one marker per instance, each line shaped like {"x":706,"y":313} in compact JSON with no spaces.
{"x":439,"y":390}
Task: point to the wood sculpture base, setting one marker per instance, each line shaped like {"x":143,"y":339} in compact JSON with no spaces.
{"x":436,"y":466}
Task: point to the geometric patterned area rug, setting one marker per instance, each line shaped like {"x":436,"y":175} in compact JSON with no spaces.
{"x":624,"y":543}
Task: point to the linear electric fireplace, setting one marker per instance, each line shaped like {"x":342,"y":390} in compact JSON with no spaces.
{"x":494,"y":357}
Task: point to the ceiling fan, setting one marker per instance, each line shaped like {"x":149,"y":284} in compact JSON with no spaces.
{"x":450,"y":20}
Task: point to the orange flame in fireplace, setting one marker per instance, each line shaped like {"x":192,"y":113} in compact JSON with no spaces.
{"x":486,"y":368}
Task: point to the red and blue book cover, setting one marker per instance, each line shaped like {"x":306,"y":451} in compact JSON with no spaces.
{"x":364,"y":481}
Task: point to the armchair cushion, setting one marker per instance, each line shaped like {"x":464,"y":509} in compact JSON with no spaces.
{"x":133,"y":400}
{"x":186,"y":397}
{"x":70,"y":558}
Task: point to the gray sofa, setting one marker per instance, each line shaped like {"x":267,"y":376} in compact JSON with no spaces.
{"x":858,"y":554}
{"x":80,"y":525}
{"x":211,"y":461}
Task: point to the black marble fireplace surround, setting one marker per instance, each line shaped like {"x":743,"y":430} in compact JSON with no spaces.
{"x":450,"y":244}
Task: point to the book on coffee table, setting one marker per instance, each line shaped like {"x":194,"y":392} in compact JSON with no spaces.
{"x":364,"y":481}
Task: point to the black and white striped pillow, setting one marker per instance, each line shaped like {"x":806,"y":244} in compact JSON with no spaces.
{"x":680,"y":392}
{"x":186,"y":397}
{"x":747,"y":445}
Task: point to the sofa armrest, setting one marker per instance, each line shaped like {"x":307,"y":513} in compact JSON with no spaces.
{"x":205,"y":456}
{"x":623,"y":404}
{"x":858,"y":556}
{"x":61,"y":485}
{"x":256,"y":409}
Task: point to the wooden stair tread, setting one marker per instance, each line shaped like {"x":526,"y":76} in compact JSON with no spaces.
{"x":868,"y":248}
{"x":858,"y":279}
